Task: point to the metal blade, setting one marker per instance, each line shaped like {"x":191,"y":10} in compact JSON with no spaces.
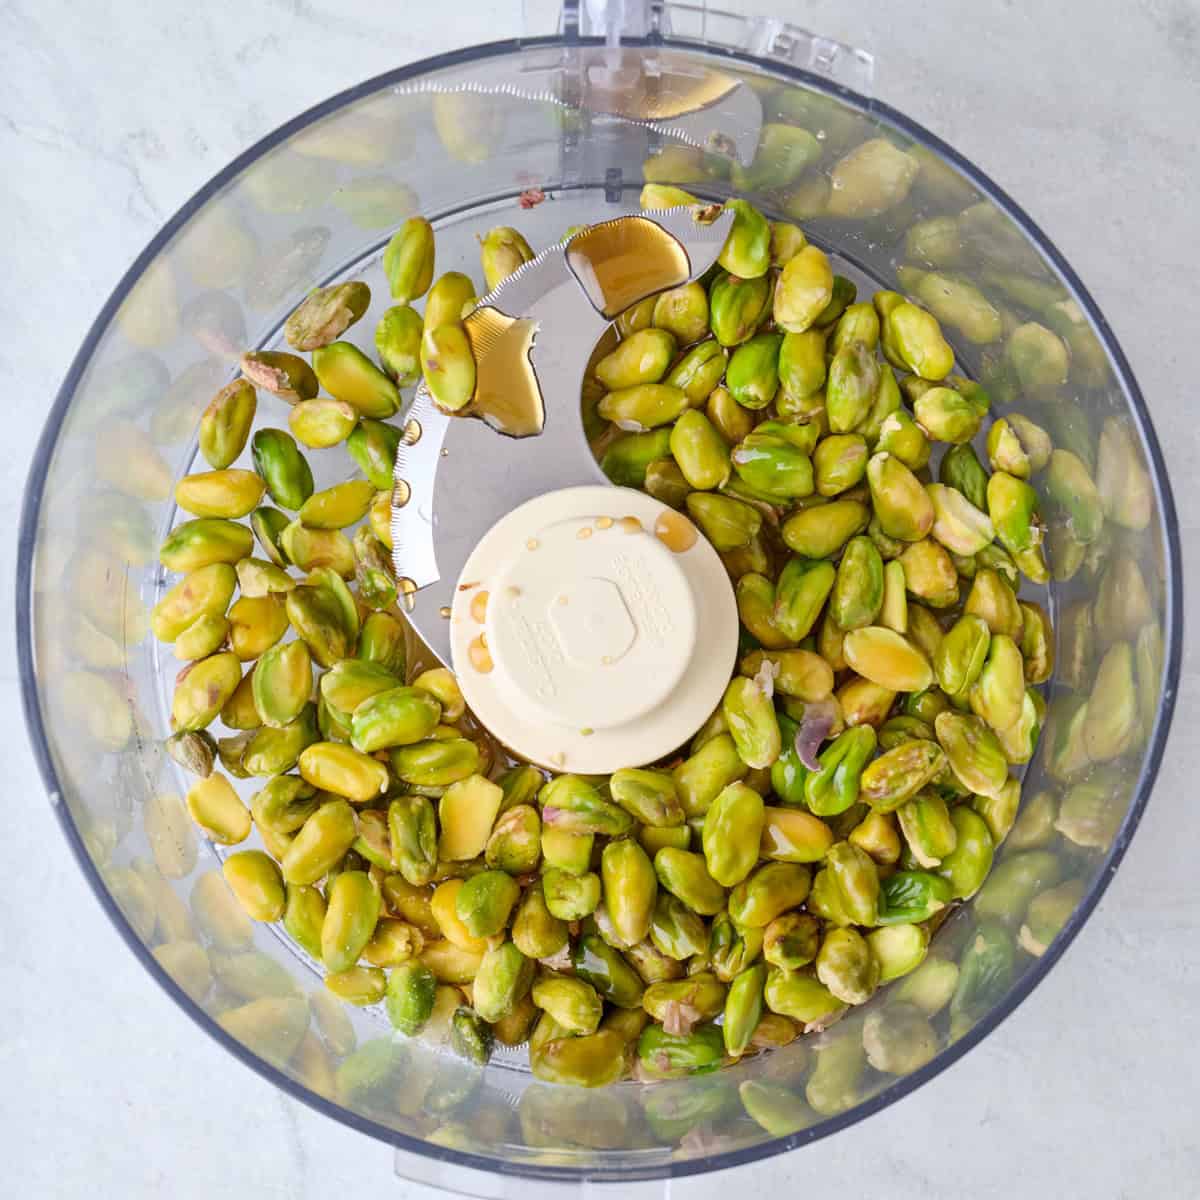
{"x":413,"y":540}
{"x":460,"y":475}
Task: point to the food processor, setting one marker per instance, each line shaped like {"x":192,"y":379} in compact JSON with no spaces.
{"x":549,"y":134}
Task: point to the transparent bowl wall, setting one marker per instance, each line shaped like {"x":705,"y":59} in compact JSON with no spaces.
{"x":315,"y":203}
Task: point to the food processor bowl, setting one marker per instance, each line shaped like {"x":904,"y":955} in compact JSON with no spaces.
{"x":544,"y":134}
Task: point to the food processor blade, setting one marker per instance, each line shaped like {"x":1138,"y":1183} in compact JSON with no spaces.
{"x":455,"y":476}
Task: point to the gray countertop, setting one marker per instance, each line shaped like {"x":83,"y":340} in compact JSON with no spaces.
{"x":112,"y":115}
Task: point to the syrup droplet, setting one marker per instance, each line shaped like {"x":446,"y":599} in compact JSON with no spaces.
{"x":479,"y":603}
{"x":412,"y":432}
{"x":622,"y":261}
{"x":630,"y":524}
{"x":444,"y":612}
{"x":479,"y":655}
{"x":408,"y":589}
{"x":584,"y":533}
{"x":604,"y":522}
{"x":401,"y":494}
{"x":675,"y":532}
{"x":466,"y":587}
{"x":507,"y":394}
{"x":532,"y":544}
{"x":563,"y":599}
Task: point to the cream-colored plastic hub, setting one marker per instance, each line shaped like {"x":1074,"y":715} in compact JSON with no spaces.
{"x":593,"y":628}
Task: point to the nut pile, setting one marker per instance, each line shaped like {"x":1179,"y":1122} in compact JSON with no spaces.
{"x":852,"y":785}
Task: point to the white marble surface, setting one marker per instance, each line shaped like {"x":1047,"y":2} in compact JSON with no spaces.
{"x":111,"y":115}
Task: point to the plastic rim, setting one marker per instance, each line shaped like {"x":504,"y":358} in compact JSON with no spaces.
{"x":1173,"y":626}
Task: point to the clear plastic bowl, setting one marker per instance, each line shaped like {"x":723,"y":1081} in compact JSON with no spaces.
{"x":459,"y":138}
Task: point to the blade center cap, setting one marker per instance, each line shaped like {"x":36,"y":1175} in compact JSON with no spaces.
{"x":586,"y":637}
{"x":592,"y":622}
